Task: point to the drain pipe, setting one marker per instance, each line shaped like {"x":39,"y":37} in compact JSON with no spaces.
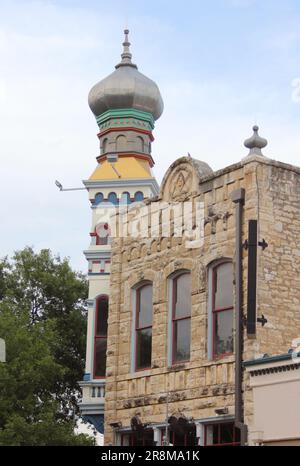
{"x":238,"y":197}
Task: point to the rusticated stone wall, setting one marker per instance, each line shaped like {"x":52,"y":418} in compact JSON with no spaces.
{"x":200,"y":386}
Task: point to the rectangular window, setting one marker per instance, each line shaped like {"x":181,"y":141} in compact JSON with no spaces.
{"x":142,"y":439}
{"x":222,"y":434}
{"x":180,"y":438}
{"x":222,"y":309}
{"x":181,"y":318}
{"x":143,"y":327}
{"x":100,"y":341}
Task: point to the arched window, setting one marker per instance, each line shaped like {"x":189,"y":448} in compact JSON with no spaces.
{"x":125,"y":198}
{"x":102,"y":233}
{"x":221,"y":309}
{"x":139,"y":196}
{"x":100,"y":337}
{"x":121,"y":143}
{"x":112,"y":198}
{"x":98,"y":198}
{"x":143,"y":326}
{"x":104,"y":146}
{"x":181,"y":317}
{"x":140,"y":144}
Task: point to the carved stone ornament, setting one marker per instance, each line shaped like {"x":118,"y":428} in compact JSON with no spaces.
{"x":181,"y":183}
{"x":213,"y":217}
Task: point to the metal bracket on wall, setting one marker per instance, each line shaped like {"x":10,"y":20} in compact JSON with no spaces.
{"x":263,"y":244}
{"x":262,"y":320}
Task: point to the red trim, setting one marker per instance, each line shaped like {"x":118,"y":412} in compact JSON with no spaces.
{"x":137,"y":328}
{"x":98,"y":337}
{"x":93,"y":234}
{"x":126,"y":128}
{"x":176,"y":319}
{"x":137,"y":155}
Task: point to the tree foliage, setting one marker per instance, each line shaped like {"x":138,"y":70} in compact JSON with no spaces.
{"x":43,"y":321}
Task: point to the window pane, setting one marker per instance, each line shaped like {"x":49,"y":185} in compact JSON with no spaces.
{"x":223,"y":286}
{"x":100,"y":363}
{"x":139,"y":196}
{"x":112,"y":198}
{"x":102,"y":315}
{"x":221,"y":434}
{"x":125,"y":198}
{"x":215,"y":434}
{"x":125,"y":440}
{"x":227,"y":433}
{"x":182,"y":338}
{"x":144,"y":318}
{"x":223,"y":332}
{"x":143,"y":348}
{"x":98,"y":198}
{"x":182,"y":295}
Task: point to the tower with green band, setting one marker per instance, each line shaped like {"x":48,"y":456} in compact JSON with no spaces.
{"x":126,"y":105}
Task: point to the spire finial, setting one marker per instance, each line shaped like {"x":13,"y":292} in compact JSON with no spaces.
{"x":255,"y":143}
{"x":126,"y":55}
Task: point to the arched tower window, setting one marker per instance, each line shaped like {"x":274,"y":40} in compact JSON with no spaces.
{"x":102,"y":234}
{"x":100,"y":337}
{"x":143,"y":326}
{"x":113,"y":198}
{"x":139,"y":196}
{"x":104,"y":145}
{"x":98,"y":198}
{"x":221,"y":316}
{"x":140,"y":144}
{"x":180,"y":321}
{"x":121,"y":143}
{"x":125,"y":198}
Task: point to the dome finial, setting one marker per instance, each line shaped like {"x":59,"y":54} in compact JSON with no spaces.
{"x":126,"y":55}
{"x":255,"y":143}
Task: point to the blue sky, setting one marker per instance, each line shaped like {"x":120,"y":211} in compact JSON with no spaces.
{"x":221,"y":66}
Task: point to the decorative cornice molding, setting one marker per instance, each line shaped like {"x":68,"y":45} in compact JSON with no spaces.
{"x":150,"y":182}
{"x":125,"y":112}
{"x":274,"y":369}
{"x":137,"y":155}
{"x":126,"y":128}
{"x":97,"y":254}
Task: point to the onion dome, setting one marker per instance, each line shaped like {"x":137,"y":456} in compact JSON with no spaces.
{"x":255,"y":143}
{"x":126,"y":88}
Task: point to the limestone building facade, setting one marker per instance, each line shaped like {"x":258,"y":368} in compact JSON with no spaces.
{"x":173,"y":293}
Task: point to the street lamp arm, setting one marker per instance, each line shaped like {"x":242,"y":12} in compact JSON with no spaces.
{"x":61,"y":188}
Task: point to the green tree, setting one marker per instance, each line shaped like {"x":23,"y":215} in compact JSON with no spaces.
{"x":43,"y":321}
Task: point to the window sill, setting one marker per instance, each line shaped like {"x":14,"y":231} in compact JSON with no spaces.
{"x":177,"y":367}
{"x":228,"y":358}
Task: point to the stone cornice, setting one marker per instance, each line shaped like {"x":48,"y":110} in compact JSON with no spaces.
{"x":246,"y":161}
